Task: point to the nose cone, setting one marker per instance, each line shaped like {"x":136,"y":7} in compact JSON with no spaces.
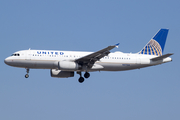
{"x":7,"y":61}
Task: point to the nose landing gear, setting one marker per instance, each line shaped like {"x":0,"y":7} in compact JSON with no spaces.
{"x":27,"y":71}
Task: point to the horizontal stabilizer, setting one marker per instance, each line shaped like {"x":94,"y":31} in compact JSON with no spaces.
{"x":161,"y":57}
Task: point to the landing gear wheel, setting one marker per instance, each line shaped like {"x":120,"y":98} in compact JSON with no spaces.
{"x":27,"y":71}
{"x":26,"y":76}
{"x":81,"y":80}
{"x":86,"y":75}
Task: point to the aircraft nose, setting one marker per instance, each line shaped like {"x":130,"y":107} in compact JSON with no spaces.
{"x":7,"y":61}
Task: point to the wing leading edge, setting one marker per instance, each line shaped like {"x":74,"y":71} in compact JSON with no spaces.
{"x":90,"y":59}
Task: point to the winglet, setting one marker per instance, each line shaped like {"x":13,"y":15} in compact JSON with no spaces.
{"x":117,"y":45}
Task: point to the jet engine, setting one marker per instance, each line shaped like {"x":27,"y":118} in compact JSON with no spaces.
{"x":61,"y":74}
{"x":68,"y":66}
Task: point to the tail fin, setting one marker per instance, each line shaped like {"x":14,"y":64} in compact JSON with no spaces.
{"x":156,"y":45}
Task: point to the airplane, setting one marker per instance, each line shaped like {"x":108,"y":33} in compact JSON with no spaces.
{"x":64,"y":64}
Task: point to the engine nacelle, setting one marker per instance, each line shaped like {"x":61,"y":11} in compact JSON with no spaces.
{"x":61,"y":74}
{"x":68,"y":65}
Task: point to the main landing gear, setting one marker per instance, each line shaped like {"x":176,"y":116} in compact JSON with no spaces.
{"x":81,"y":79}
{"x":27,"y":75}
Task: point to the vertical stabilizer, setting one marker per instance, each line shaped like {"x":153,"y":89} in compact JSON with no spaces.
{"x":156,"y":45}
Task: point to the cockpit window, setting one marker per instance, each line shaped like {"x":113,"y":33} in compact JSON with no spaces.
{"x":16,"y":54}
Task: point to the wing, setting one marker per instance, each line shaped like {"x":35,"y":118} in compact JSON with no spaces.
{"x":90,"y":59}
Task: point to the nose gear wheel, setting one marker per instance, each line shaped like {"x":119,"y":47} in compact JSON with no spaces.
{"x":27,"y":71}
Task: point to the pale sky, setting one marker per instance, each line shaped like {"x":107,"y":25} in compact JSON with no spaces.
{"x":144,"y":94}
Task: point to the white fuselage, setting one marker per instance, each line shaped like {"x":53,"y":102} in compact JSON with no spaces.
{"x":49,"y":59}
